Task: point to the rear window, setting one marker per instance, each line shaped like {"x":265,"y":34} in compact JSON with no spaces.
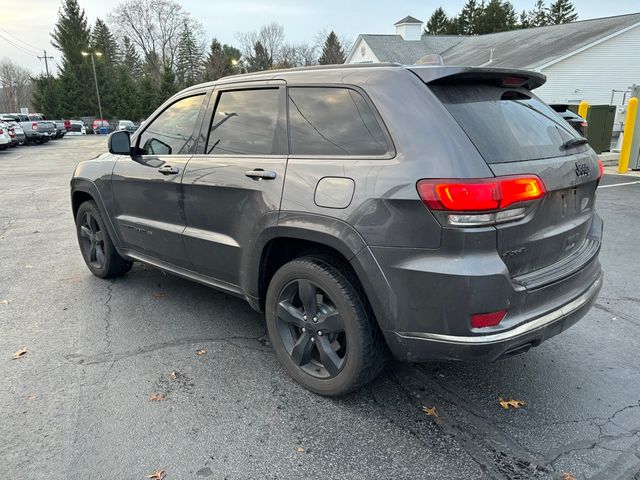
{"x":504,"y":124}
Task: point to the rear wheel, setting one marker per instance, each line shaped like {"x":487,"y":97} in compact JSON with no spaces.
{"x":322,"y":328}
{"x":96,"y":246}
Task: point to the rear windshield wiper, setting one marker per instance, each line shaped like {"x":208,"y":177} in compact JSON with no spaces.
{"x":574,"y":142}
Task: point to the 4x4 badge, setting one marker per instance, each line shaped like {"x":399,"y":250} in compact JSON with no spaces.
{"x":582,"y":169}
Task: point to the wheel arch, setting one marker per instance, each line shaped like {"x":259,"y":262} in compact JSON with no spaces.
{"x":308,"y":234}
{"x":83,"y":190}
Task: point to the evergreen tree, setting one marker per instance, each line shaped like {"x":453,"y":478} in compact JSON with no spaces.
{"x":259,"y":60}
{"x":130,"y":59}
{"x":148,"y":99}
{"x":46,"y":94}
{"x":102,"y":41}
{"x":438,"y":23}
{"x":189,"y":58}
{"x":562,"y":11}
{"x":539,"y":16}
{"x":168,"y":85}
{"x":525,"y":19}
{"x":220,"y":61}
{"x":497,"y":16}
{"x":468,"y":18}
{"x":71,"y":35}
{"x":332,"y":52}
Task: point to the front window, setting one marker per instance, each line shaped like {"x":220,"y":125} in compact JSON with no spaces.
{"x":172,"y":132}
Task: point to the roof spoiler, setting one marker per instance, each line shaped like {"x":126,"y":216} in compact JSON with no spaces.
{"x":504,"y":77}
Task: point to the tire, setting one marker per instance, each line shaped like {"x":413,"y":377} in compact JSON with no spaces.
{"x":96,"y":245}
{"x":349,"y":353}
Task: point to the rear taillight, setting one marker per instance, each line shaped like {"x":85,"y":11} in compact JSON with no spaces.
{"x":491,"y":196}
{"x":1,"y":131}
{"x":601,"y":168}
{"x":34,"y":126}
{"x":484,"y":320}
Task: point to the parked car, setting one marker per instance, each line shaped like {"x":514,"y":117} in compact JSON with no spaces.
{"x":5,"y":139}
{"x":127,"y":125}
{"x":441,"y":213}
{"x":36,"y":131}
{"x":99,"y":123}
{"x":61,"y":129}
{"x":77,"y":128}
{"x":572,"y":118}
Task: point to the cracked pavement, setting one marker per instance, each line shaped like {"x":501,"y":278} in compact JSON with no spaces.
{"x":77,"y":405}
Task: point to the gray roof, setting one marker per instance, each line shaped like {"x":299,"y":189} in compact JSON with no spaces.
{"x":533,"y":47}
{"x":393,"y":48}
{"x":528,"y":48}
{"x":408,"y":19}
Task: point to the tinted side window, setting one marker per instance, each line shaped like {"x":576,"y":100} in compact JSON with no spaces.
{"x":333,"y":121}
{"x":245,"y":123}
{"x":171,"y":133}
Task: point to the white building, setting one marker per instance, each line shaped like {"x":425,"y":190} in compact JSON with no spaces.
{"x":593,"y":60}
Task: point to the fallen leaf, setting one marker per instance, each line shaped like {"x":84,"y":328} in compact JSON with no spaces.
{"x":430,"y":411}
{"x":159,"y":295}
{"x":5,"y":302}
{"x":32,"y":397}
{"x":300,"y":450}
{"x":510,"y":403}
{"x":157,"y":397}
{"x":28,"y":266}
{"x":568,"y":476}
{"x":20,"y":353}
{"x":157,"y":475}
{"x":201,"y":352}
{"x":173,"y":375}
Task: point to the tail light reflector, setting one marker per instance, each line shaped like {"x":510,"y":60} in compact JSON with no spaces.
{"x":483,"y":320}
{"x":479,"y":195}
{"x":601,"y":168}
{"x":471,"y":199}
{"x":1,"y":131}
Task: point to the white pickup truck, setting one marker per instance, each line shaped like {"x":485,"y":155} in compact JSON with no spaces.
{"x":37,"y":130}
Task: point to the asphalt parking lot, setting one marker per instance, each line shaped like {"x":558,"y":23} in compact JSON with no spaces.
{"x":77,"y":404}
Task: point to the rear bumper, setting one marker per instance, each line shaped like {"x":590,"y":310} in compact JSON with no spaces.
{"x":420,"y":346}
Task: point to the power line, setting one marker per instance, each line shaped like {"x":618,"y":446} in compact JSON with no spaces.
{"x":20,"y":40}
{"x":22,"y":49}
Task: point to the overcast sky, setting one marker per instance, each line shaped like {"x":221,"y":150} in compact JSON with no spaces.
{"x":223,"y":18}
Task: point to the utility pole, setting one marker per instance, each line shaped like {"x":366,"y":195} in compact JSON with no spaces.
{"x":46,"y":63}
{"x":95,"y":77}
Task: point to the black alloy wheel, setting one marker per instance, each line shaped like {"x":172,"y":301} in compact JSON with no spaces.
{"x":92,"y":241}
{"x":321,"y":326}
{"x":311,"y":329}
{"x":96,"y":246}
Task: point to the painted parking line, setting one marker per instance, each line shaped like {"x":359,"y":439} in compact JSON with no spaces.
{"x":619,"y":184}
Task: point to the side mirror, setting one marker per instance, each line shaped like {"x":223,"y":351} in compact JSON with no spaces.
{"x":119,"y":143}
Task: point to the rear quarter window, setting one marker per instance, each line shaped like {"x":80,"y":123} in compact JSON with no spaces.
{"x":506,"y":124}
{"x":333,"y":121}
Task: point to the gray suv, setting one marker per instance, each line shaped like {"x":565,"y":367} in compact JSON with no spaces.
{"x":436,"y":212}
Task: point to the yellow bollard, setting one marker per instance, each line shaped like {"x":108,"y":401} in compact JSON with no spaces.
{"x":583,"y":109}
{"x":627,"y":136}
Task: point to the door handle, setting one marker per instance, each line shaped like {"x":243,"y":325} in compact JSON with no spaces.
{"x":168,"y":170}
{"x":260,"y":174}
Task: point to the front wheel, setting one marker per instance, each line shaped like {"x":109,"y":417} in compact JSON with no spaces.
{"x":96,"y":246}
{"x":322,"y":328}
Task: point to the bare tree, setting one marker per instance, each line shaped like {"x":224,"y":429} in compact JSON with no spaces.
{"x":270,"y":36}
{"x":302,"y":55}
{"x":154,"y":26}
{"x":15,"y":86}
